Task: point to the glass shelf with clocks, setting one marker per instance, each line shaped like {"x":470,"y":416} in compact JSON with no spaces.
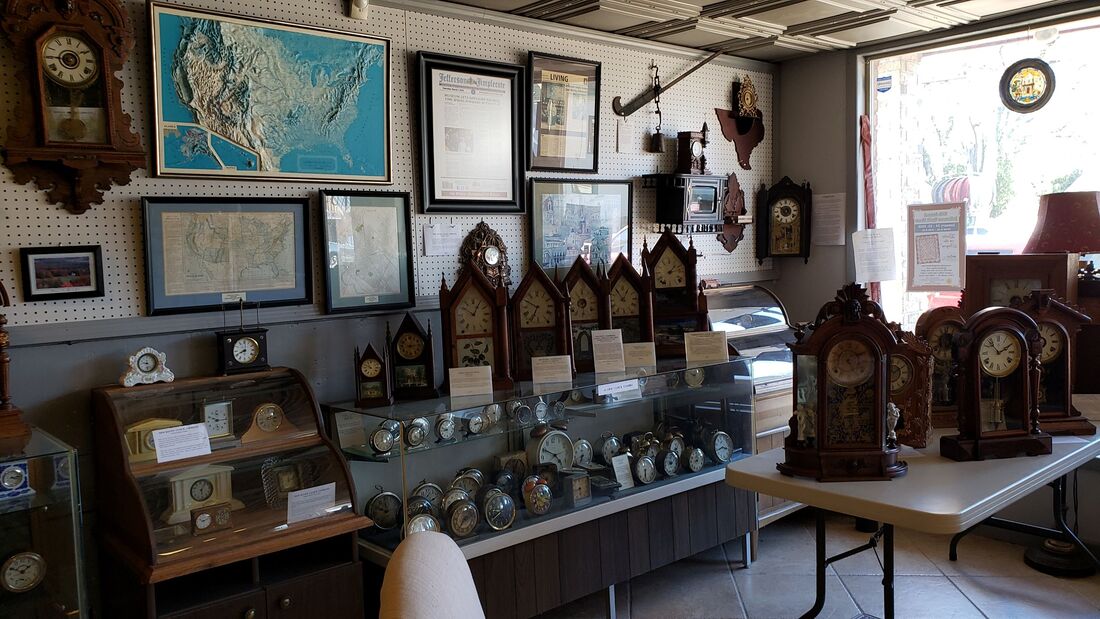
{"x":687,"y":421}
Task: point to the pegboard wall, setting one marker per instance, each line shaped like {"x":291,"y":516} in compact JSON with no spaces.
{"x":29,"y":221}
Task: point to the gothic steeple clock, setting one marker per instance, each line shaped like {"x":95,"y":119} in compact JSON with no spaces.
{"x":540,"y":320}
{"x":589,"y":309}
{"x":679,"y":305}
{"x":71,"y":138}
{"x":475,"y":325}
{"x":631,"y":300}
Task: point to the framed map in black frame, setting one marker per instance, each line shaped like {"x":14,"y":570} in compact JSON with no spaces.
{"x":573,"y":217}
{"x":564,"y":113}
{"x":471,"y":134}
{"x":204,"y":253}
{"x":368,"y":256}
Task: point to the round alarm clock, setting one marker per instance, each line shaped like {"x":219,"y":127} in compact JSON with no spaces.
{"x":607,"y":447}
{"x":381,"y":440}
{"x":500,"y":511}
{"x":669,"y":462}
{"x":384,"y":509}
{"x":538,"y":499}
{"x":423,"y":522}
{"x":462,"y":518}
{"x":553,"y":447}
{"x":451,"y":496}
{"x":445,"y":427}
{"x":645,"y":470}
{"x":22,"y":572}
{"x":694,"y":459}
{"x":582,"y":453}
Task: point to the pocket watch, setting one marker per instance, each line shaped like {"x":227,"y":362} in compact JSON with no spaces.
{"x":416,"y":432}
{"x":381,"y":440}
{"x":429,"y":491}
{"x":462,"y":517}
{"x":538,"y":499}
{"x":719,"y":446}
{"x":494,"y":412}
{"x":669,"y":462}
{"x":694,"y":459}
{"x":423,"y":522}
{"x":445,"y":427}
{"x":384,"y":509}
{"x":22,"y":572}
{"x":694,"y":377}
{"x":419,"y":505}
{"x":500,"y":511}
{"x":607,"y":447}
{"x":451,"y":496}
{"x":645,"y":469}
{"x":582,"y":453}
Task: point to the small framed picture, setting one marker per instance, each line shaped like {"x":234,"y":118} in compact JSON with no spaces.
{"x":54,"y":273}
{"x":579,"y":217}
{"x":564,"y":112}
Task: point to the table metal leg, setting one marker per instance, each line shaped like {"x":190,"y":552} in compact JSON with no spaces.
{"x":746,"y":549}
{"x":888,"y":570}
{"x":1060,"y":519}
{"x":822,"y":565}
{"x":611,"y":614}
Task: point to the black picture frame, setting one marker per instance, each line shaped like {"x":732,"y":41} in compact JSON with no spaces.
{"x":478,"y":151}
{"x":570,"y":71}
{"x":547,"y":214}
{"x":61,"y":272}
{"x":292,"y":212}
{"x":1008,"y":98}
{"x":337,"y":252}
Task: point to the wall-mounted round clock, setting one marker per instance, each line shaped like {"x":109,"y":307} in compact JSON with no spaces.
{"x":1027,"y":85}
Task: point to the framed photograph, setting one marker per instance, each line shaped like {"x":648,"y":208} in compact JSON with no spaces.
{"x":204,"y":253}
{"x":368,"y":241}
{"x":564,"y":112}
{"x":55,"y":273}
{"x":317,"y":111}
{"x":579,"y":217}
{"x":471,"y":134}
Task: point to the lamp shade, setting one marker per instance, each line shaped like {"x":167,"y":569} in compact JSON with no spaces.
{"x":1068,"y":222}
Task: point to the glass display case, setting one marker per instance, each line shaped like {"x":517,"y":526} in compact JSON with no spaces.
{"x":166,"y":517}
{"x":41,"y":562}
{"x":498,"y":470}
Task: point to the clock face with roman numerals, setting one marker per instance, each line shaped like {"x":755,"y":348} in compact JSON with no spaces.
{"x":536,"y":308}
{"x":624,"y":299}
{"x":583,"y":304}
{"x":1000,"y":353}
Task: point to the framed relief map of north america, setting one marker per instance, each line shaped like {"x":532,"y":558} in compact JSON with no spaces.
{"x":318,"y":109}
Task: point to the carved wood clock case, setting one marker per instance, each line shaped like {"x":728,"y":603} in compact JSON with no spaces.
{"x":72,"y":138}
{"x":475,"y":326}
{"x":783,"y":219}
{"x":540,"y":320}
{"x":411,"y":352}
{"x":373,"y":379}
{"x":589,"y":309}
{"x":631,"y":298}
{"x":679,"y":305}
{"x":938,"y":327}
{"x":910,"y":388}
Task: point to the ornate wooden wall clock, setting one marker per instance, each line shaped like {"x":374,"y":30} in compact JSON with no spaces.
{"x":412,"y":354}
{"x":540,"y":320}
{"x":911,"y":387}
{"x":679,"y":305}
{"x":690,"y":155}
{"x":839,"y":429}
{"x":71,"y":138}
{"x":783,"y":215}
{"x":373,"y":378}
{"x":938,"y":327}
{"x":999,"y":280}
{"x":589,"y":309}
{"x":631,"y":297}
{"x":1058,"y":324}
{"x":475,"y":326}
{"x":484,"y":249}
{"x":998,"y":351}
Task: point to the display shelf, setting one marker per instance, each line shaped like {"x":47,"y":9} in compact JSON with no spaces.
{"x":151,"y":468}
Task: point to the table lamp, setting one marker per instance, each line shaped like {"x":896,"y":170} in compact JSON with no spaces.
{"x":1067,"y":222}
{"x":14,"y":432}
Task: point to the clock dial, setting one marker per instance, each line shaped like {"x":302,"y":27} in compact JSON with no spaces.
{"x":556,"y":449}
{"x":785,"y":210}
{"x":429,"y":491}
{"x":696,"y":148}
{"x":536,"y":308}
{"x":850,"y":363}
{"x":149,"y":442}
{"x":500,"y":511}
{"x":22,"y":572}
{"x":722,"y":446}
{"x":12,"y":477}
{"x":1053,"y":342}
{"x":669,"y":271}
{"x":901,"y":373}
{"x":583,"y":304}
{"x":474,"y":315}
{"x":370,"y":367}
{"x":1000,"y":353}
{"x":410,"y":345}
{"x":645,"y":470}
{"x":942,"y":339}
{"x":384,"y":509}
{"x":246,"y":350}
{"x":203,"y":521}
{"x":201,"y":490}
{"x":462,"y":518}
{"x":69,"y":60}
{"x":217,"y":419}
{"x":147,"y":362}
{"x":1008,"y":291}
{"x":582,"y":452}
{"x":269,"y":417}
{"x":491,"y":255}
{"x":624,"y":299}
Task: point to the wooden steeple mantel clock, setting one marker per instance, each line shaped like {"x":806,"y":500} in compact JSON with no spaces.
{"x":540,"y":320}
{"x":631,"y":297}
{"x":14,"y":432}
{"x":841,"y":429}
{"x":589,"y":309}
{"x":475,"y":326}
{"x":72,"y":138}
{"x":998,"y":351}
{"x":679,"y":305}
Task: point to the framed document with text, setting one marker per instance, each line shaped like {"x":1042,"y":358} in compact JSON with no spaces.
{"x":564,"y":112}
{"x":471,"y":134}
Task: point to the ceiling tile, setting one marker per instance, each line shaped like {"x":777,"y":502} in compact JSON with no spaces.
{"x":884,"y":29}
{"x":799,"y":13}
{"x":505,"y":6}
{"x":985,"y":8}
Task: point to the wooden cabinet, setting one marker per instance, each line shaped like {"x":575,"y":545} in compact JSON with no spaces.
{"x":252,"y":605}
{"x":335,"y":592}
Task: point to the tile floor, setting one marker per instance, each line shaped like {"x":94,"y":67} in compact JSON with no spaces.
{"x":990,"y":579}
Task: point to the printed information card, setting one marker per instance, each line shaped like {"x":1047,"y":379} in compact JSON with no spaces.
{"x":607,"y":350}
{"x":621,"y":465}
{"x":552,"y":369}
{"x":640,"y":355}
{"x":310,"y":503}
{"x":181,"y":442}
{"x":471,"y":381}
{"x":705,"y":347}
{"x":350,"y":429}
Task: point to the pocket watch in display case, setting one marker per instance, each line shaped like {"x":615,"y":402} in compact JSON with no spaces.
{"x":373,"y":378}
{"x":22,"y":572}
{"x":540,"y":320}
{"x":1002,"y":280}
{"x":783,"y":220}
{"x":200,"y":486}
{"x":1059,"y":323}
{"x":475,"y":325}
{"x":550,"y":447}
{"x":911,"y":388}
{"x":462,"y":518}
{"x":483,"y":249}
{"x":384,"y":509}
{"x":145,"y":367}
{"x":589,"y":309}
{"x":679,"y":305}
{"x":999,"y":367}
{"x":631,"y":300}
{"x":938,"y":327}
{"x":269,"y":421}
{"x":838,"y":431}
{"x":411,"y":352}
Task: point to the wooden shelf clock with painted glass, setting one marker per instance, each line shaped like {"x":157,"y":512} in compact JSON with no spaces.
{"x":938,"y":327}
{"x":783,"y":218}
{"x":998,"y":351}
{"x":540,"y":320}
{"x":170,"y":528}
{"x":840,"y":430}
{"x":911,"y":387}
{"x":631,"y":297}
{"x":475,"y":325}
{"x":412,"y":353}
{"x":589,"y":309}
{"x":679,"y":305}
